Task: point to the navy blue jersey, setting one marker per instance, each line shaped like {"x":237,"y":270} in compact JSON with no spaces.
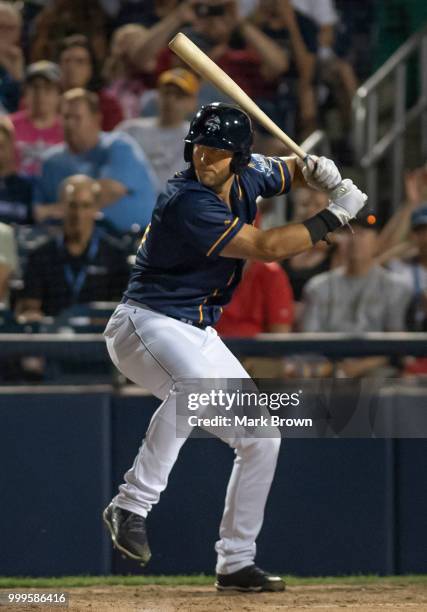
{"x":178,"y":270}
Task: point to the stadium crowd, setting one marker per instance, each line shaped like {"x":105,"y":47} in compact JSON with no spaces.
{"x":94,"y":108}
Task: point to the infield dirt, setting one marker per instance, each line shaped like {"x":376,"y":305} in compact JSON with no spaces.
{"x":367,"y":598}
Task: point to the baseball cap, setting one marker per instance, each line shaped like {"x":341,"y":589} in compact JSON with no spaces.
{"x":419,"y":217}
{"x":182,"y":78}
{"x":48,"y":70}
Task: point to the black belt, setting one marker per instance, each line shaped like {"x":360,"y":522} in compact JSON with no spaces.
{"x":126,"y":300}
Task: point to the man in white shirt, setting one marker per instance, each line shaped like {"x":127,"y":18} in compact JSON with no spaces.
{"x":161,"y":137}
{"x":8,"y":261}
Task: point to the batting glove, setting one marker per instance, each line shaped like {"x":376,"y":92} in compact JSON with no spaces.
{"x":320,"y":173}
{"x":346,"y":201}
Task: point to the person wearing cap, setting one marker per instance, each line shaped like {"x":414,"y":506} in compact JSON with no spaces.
{"x":38,"y":125}
{"x":358,"y":297}
{"x":161,"y":137}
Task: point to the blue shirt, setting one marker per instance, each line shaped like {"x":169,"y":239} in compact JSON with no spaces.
{"x":116,"y":156}
{"x":178,"y":270}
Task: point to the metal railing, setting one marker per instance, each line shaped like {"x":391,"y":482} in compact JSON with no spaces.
{"x":317,"y":142}
{"x":371,"y":147}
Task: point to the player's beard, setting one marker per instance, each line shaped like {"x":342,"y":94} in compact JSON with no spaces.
{"x":214,"y":180}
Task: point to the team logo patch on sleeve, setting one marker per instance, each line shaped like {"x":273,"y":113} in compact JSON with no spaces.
{"x":262,"y":164}
{"x":213,"y":124}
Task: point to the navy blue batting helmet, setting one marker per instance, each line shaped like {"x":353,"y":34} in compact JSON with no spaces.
{"x":222,"y":126}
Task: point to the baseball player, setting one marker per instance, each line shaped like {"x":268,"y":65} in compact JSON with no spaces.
{"x":187,"y":266}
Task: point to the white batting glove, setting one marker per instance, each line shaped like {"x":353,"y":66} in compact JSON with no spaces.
{"x":320,"y":172}
{"x":346,"y":201}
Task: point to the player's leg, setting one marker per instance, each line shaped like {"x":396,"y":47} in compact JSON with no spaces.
{"x":247,"y":490}
{"x":153,"y":351}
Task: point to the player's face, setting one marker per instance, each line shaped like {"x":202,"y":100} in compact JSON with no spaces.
{"x":212,"y":166}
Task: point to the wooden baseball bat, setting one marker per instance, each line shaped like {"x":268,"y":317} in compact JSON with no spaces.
{"x":206,"y":68}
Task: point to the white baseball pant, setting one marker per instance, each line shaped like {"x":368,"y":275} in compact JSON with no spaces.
{"x":153,"y":350}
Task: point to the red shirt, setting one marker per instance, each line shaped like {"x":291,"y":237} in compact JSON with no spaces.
{"x":111,"y":110}
{"x":32,"y":142}
{"x":243,"y":66}
{"x":263,"y":298}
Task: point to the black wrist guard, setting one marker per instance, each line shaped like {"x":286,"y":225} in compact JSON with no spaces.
{"x":321,"y":224}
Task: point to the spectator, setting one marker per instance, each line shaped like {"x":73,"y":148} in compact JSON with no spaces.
{"x":38,"y":126}
{"x":161,"y":137}
{"x":358,"y":297}
{"x":11,"y":57}
{"x":336,"y":73}
{"x":128,"y":184}
{"x":80,"y":69}
{"x":262,"y":302}
{"x":397,"y":229}
{"x":301,"y":268}
{"x":414,"y":272}
{"x":81,"y":265}
{"x":8,"y":261}
{"x":62,"y":18}
{"x":15,"y":190}
{"x":277,"y":19}
{"x":252,"y":59}
{"x":130,"y":69}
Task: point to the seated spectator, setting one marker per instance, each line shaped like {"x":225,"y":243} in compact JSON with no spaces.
{"x":38,"y":126}
{"x":358,"y":297}
{"x":81,"y":265}
{"x":127,"y":182}
{"x":414,"y":272}
{"x":15,"y":191}
{"x":161,"y":137}
{"x":262,"y":303}
{"x":8,"y":261}
{"x":80,"y":69}
{"x":301,"y":268}
{"x":11,"y":57}
{"x":62,"y":18}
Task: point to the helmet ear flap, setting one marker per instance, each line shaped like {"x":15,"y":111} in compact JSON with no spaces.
{"x":188,"y":152}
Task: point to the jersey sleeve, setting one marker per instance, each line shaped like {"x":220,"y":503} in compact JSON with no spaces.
{"x":268,"y":176}
{"x":204,"y":222}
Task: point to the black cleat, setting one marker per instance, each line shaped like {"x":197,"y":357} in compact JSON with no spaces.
{"x":251,"y":579}
{"x":128,"y":533}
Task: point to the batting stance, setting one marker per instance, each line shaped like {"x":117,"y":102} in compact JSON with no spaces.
{"x":187,"y":266}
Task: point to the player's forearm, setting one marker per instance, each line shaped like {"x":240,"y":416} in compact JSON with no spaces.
{"x":280,"y":243}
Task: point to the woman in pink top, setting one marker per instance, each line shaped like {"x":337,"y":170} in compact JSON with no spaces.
{"x":38,"y":126}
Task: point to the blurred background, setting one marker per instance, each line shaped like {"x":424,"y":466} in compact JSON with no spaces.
{"x":93,"y":112}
